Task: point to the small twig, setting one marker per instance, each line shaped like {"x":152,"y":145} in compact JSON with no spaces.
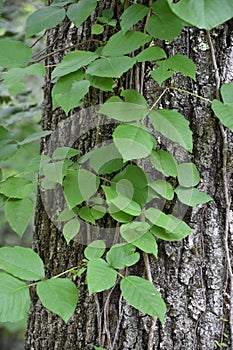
{"x":38,"y":39}
{"x":63,"y":49}
{"x":225,"y":185}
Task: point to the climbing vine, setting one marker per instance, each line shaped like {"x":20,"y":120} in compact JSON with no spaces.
{"x":107,"y":180}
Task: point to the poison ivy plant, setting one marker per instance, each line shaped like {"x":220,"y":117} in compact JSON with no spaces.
{"x":106,"y":181}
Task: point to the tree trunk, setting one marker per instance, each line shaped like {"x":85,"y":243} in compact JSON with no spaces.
{"x":191,"y":274}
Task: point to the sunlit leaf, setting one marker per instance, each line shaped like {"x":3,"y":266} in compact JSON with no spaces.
{"x":204,"y":14}
{"x":79,"y":12}
{"x":21,"y":262}
{"x":59,"y":295}
{"x":44,"y":18}
{"x":142,"y":295}
{"x":15,"y":298}
{"x":14,"y":53}
{"x":173,"y":126}
{"x":19,"y":214}
{"x":121,"y":43}
{"x":100,"y":276}
{"x":132,"y":15}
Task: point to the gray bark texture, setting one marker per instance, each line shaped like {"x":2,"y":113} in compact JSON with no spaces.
{"x":191,"y":274}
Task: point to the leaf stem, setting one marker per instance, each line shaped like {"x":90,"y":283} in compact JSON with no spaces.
{"x":189,"y":93}
{"x":69,"y":270}
{"x":158,"y":99}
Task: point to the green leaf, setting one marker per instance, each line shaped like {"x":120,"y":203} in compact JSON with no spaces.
{"x":164,"y":162}
{"x":138,"y":180}
{"x":173,"y":126}
{"x":98,"y":212}
{"x":14,"y":53}
{"x":188,"y":175}
{"x":73,"y":61}
{"x":3,"y":200}
{"x":21,"y":262}
{"x":79,"y":186}
{"x":104,"y":84}
{"x":142,"y":295}
{"x":64,"y":153}
{"x":7,"y":151}
{"x":132,"y":15}
{"x":203,"y":14}
{"x":167,"y":68}
{"x":120,"y":44}
{"x":86,"y":214}
{"x":163,"y":24}
{"x":224,"y":112}
{"x":121,"y":198}
{"x":35,"y":137}
{"x":48,"y":184}
{"x":192,"y":196}
{"x":122,"y":255}
{"x":13,"y":77}
{"x":108,"y":14}
{"x":71,"y":98}
{"x":59,"y":295}
{"x":66,"y":215}
{"x":166,"y":235}
{"x":152,"y":53}
{"x":15,"y":298}
{"x":163,"y":188}
{"x":119,"y":215}
{"x":71,"y":229}
{"x":98,"y":348}
{"x":134,"y":141}
{"x":175,"y":228}
{"x":64,"y":91}
{"x":123,"y":111}
{"x":95,"y":249}
{"x":133,"y":96}
{"x":5,"y":136}
{"x":79,"y":12}
{"x":19,"y":214}
{"x":17,"y":187}
{"x":106,"y":160}
{"x":100,"y":276}
{"x":112,"y":67}
{"x":97,"y":29}
{"x":56,"y":171}
{"x":147,"y":244}
{"x":133,"y":231}
{"x":227,"y":92}
{"x":44,"y":18}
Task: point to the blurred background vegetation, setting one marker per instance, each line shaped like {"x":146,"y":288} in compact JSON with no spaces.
{"x":20,"y":114}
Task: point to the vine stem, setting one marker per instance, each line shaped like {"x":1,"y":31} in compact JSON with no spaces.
{"x":154,"y":319}
{"x":225,"y":185}
{"x":63,"y":49}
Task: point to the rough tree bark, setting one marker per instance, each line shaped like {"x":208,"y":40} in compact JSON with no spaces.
{"x":191,"y":274}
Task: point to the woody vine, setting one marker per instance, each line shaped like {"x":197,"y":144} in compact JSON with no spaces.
{"x":116,"y":185}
